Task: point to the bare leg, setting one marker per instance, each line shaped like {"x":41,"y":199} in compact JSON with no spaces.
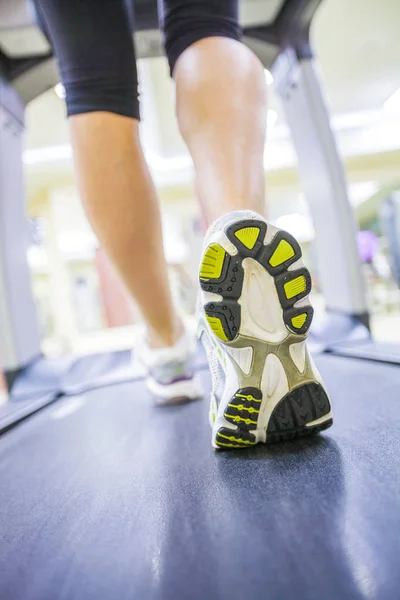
{"x":222,"y":108}
{"x":121,"y":204}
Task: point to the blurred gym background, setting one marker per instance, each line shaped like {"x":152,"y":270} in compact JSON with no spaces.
{"x":81,"y":303}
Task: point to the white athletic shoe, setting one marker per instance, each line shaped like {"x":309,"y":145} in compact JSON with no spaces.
{"x":253,"y":321}
{"x":171,"y":378}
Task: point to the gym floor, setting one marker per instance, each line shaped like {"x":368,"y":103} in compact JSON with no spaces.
{"x":105,"y":496}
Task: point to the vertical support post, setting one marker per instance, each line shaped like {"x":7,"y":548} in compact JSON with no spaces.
{"x":323,"y":178}
{"x":19,"y":332}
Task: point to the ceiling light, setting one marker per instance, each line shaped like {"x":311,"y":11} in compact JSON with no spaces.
{"x":35,"y":156}
{"x":355,"y":120}
{"x":361,"y":191}
{"x":60,"y":90}
{"x":298,"y":225}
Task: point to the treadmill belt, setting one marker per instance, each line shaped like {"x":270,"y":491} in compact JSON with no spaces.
{"x":105,"y":497}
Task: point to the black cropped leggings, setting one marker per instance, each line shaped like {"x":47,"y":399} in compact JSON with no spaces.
{"x":92,"y":40}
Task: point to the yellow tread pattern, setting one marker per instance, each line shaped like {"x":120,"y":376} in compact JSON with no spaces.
{"x":299,"y":320}
{"x":295,"y":287}
{"x":248,"y":236}
{"x":230,"y":445}
{"x":213,"y":262}
{"x":243,"y":407}
{"x":249,"y":397}
{"x":239,"y":419}
{"x":283,"y":252}
{"x":217,"y":328}
{"x":232,"y":438}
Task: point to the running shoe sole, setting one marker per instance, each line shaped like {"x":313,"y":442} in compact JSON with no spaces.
{"x":256,"y":304}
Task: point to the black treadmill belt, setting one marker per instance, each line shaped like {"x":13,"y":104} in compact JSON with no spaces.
{"x":105,"y":497}
{"x":43,"y":382}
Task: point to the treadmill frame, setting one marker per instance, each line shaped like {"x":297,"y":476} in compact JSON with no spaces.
{"x":284,"y":47}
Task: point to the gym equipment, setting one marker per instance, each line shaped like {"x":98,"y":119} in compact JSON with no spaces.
{"x":278,"y":31}
{"x":104,"y":496}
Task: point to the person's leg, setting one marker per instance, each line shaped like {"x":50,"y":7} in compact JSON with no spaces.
{"x":93,"y":44}
{"x":221,"y":101}
{"x":121,"y":204}
{"x":254,"y":310}
{"x":222,"y":117}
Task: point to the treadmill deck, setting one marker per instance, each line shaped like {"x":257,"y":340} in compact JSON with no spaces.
{"x":104,"y":496}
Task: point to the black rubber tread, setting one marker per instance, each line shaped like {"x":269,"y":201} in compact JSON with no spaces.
{"x":228,"y":312}
{"x":269,"y":250}
{"x":250,"y":408}
{"x":293,"y":435}
{"x":224,"y":438}
{"x":290,"y":313}
{"x":230,"y":284}
{"x":302,"y":405}
{"x":224,"y":272}
{"x":250,"y":398}
{"x":280,"y":281}
{"x":242,"y":249}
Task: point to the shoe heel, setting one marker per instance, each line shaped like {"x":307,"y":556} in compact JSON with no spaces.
{"x":242,"y":410}
{"x":303,"y":411}
{"x":256,"y":302}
